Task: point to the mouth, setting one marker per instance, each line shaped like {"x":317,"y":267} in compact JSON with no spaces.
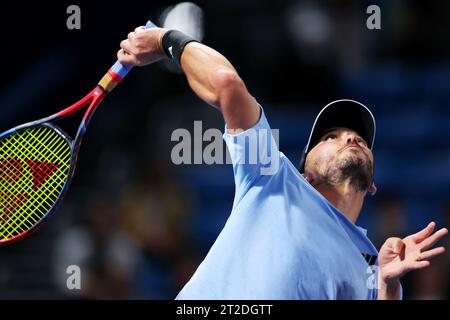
{"x":352,"y":146}
{"x":355,"y":150}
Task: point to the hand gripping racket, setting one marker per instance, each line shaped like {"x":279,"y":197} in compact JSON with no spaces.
{"x":37,"y":162}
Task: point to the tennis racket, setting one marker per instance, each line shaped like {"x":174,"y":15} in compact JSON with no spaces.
{"x":38,"y":159}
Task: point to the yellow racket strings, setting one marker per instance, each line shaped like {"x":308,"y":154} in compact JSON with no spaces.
{"x":34,"y":165}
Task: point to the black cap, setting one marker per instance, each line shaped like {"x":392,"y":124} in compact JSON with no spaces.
{"x":341,"y":113}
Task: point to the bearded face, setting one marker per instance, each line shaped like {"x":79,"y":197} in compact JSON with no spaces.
{"x":341,"y":155}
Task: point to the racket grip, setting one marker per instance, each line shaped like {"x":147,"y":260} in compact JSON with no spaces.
{"x":122,"y":70}
{"x":118,"y":71}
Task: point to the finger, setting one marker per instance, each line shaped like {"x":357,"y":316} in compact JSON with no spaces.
{"x":125,"y":58}
{"x":139,"y":29}
{"x":398,"y":246}
{"x":430,"y":241}
{"x":424,"y":233}
{"x":122,"y":56}
{"x":419,"y":265}
{"x":430,"y":254}
{"x":127,"y":47}
{"x":131,"y":36}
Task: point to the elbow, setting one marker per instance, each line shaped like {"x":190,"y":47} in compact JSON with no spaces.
{"x":225,"y":83}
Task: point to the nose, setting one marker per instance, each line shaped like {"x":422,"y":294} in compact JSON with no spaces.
{"x":351,"y":137}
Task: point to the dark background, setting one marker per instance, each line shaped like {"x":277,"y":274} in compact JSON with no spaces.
{"x":137,"y":225}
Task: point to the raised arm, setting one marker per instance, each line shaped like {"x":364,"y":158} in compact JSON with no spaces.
{"x":210,"y":75}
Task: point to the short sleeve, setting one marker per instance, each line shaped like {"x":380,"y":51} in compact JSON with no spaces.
{"x":253,"y":152}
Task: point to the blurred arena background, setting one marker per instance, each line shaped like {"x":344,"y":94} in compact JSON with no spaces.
{"x":137,"y":225}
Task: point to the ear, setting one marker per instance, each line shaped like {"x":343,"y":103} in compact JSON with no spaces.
{"x":373,"y":188}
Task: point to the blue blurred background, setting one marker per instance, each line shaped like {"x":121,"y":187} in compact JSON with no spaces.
{"x":138,"y":225}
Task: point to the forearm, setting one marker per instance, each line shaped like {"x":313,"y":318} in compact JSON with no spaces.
{"x":203,"y":67}
{"x":212,"y":77}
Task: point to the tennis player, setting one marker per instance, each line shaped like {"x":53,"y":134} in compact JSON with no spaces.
{"x":291,"y":233}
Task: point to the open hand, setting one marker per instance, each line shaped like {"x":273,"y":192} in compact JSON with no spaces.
{"x":399,"y":256}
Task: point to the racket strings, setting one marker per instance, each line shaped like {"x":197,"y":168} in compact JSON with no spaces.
{"x":34,"y":166}
{"x":32,"y":219}
{"x":15,"y":202}
{"x":37,"y":175}
{"x":10,"y":201}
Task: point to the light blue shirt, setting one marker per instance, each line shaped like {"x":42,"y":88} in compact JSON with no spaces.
{"x":283,"y":239}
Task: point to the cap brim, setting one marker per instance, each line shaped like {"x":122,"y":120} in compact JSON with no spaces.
{"x":347,"y":114}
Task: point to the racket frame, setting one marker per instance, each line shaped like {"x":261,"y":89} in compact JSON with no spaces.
{"x":92,"y":100}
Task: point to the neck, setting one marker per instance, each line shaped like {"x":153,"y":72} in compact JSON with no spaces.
{"x":344,"y":197}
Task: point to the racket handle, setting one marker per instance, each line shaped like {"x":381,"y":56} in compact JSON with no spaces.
{"x":122,"y":70}
{"x":118,"y":71}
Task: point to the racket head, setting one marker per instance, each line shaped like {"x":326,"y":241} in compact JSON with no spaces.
{"x":37,"y":162}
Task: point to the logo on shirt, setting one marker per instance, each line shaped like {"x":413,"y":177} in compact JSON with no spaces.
{"x":372,"y":271}
{"x":370,"y":258}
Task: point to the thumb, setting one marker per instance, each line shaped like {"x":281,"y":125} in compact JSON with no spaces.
{"x":398,"y":246}
{"x":395,"y":244}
